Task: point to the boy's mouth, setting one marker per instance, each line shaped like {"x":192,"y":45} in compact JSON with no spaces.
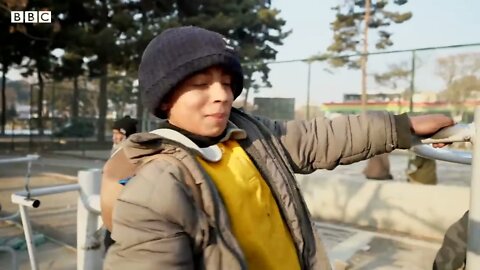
{"x":218,"y":116}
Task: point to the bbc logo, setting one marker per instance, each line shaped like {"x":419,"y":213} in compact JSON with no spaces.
{"x":30,"y":16}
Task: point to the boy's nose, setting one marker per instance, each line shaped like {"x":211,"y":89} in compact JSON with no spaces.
{"x":219,"y":92}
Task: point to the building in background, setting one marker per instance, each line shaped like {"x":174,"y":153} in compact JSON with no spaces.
{"x":423,"y":102}
{"x":275,"y":108}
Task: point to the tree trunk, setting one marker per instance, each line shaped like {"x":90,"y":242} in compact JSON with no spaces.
{"x":364,"y":56}
{"x":245,"y":102}
{"x":378,"y":168}
{"x":139,"y":108}
{"x":4,"y":98}
{"x":102,"y":104}
{"x":40,"y":102}
{"x":75,"y":99}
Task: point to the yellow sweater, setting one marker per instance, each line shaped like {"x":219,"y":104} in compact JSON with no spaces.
{"x":254,"y":215}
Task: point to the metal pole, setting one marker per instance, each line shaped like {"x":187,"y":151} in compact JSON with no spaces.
{"x":308,"y":90}
{"x":473,"y":252}
{"x":365,"y":56}
{"x":48,"y":190}
{"x":411,"y":156}
{"x":30,"y":120}
{"x":412,"y":83}
{"x":20,"y":159}
{"x":27,"y":228}
{"x":89,"y":251}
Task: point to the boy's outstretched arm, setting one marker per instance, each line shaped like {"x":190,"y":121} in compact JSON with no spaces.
{"x":322,"y":143}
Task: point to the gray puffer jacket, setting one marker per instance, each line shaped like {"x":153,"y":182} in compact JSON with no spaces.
{"x":158,"y":225}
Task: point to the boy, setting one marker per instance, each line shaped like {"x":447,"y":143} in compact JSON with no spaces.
{"x":244,"y":208}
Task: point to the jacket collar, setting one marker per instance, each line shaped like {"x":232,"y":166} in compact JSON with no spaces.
{"x":145,"y":144}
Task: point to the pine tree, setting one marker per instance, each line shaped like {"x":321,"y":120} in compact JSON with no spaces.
{"x":353,"y":20}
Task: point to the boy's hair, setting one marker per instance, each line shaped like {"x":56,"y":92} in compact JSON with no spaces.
{"x":178,"y":53}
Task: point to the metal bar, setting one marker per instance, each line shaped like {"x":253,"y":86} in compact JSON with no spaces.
{"x":20,"y":159}
{"x":308,"y":90}
{"x":92,"y":203}
{"x":27,"y":228}
{"x":10,"y":250}
{"x":10,"y":217}
{"x":89,"y":253}
{"x":455,"y":133}
{"x":49,"y":190}
{"x":461,"y":157}
{"x":473,"y":252}
{"x":25,"y":201}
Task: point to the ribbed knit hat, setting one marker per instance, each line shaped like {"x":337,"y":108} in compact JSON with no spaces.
{"x":179,"y":52}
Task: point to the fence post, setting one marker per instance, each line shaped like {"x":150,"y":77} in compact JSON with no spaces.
{"x":473,"y":252}
{"x":89,"y":251}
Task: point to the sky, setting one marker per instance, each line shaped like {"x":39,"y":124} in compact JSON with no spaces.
{"x":434,"y":23}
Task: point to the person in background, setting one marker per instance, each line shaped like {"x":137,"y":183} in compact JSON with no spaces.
{"x":122,"y":129}
{"x":378,"y":168}
{"x":421,"y":170}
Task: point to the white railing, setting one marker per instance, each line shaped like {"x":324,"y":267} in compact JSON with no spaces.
{"x":28,"y":159}
{"x":89,"y":252}
{"x":473,"y":254}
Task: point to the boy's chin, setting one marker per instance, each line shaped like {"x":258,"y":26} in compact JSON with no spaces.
{"x":215,"y":131}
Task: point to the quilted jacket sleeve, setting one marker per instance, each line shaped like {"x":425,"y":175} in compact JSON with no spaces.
{"x":322,"y":143}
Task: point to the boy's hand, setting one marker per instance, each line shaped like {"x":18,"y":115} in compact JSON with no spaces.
{"x":429,"y":124}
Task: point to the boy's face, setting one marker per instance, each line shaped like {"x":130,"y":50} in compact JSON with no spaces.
{"x":202,"y":103}
{"x":117,"y":136}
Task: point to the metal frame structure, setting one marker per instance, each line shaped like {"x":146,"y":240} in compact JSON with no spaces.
{"x":473,"y":254}
{"x":29,"y":159}
{"x":89,"y":253}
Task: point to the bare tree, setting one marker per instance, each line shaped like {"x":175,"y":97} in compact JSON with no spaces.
{"x":461,"y":74}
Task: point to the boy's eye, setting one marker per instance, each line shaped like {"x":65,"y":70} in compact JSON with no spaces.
{"x":200,"y":84}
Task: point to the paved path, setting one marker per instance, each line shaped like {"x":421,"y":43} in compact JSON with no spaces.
{"x":447,"y":173}
{"x":365,"y":250}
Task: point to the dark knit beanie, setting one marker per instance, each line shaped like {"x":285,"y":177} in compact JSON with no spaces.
{"x":179,"y":52}
{"x":126,"y":125}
